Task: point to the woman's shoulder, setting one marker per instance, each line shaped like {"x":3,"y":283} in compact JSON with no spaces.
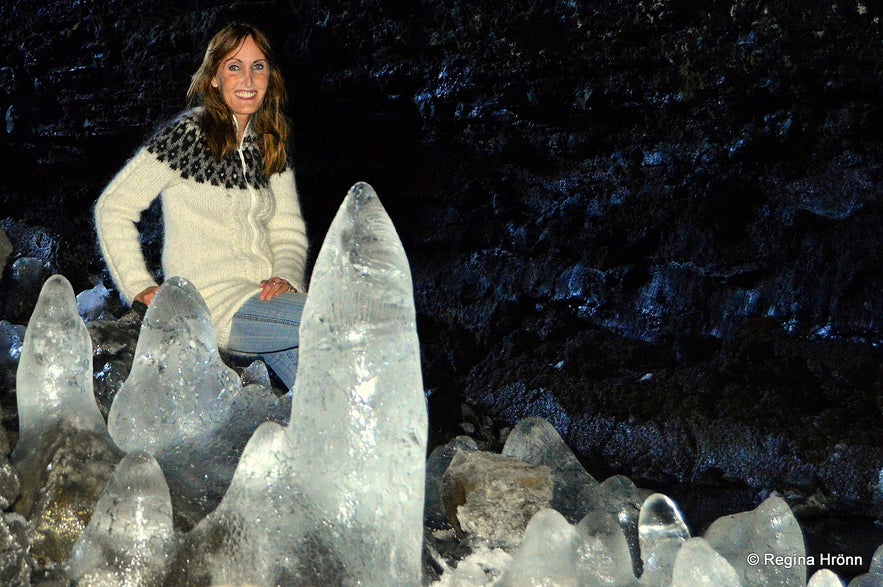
{"x":183,"y":129}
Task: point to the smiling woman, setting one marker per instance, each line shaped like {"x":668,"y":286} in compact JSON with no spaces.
{"x":232,"y":221}
{"x":242,"y":80}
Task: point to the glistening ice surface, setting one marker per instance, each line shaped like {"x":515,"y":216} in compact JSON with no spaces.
{"x":183,"y":405}
{"x":57,"y":411}
{"x":54,"y":379}
{"x":335,"y":498}
{"x":130,"y":536}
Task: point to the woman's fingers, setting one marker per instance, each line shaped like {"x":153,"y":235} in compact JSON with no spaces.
{"x":275,"y":286}
{"x":268,"y":291}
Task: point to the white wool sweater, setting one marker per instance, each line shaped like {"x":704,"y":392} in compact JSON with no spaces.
{"x":226,"y":226}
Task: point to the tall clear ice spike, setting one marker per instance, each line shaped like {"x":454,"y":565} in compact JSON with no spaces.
{"x":54,"y":377}
{"x":336,"y":498}
{"x":54,"y":385}
{"x":183,"y":405}
{"x":661,"y":532}
{"x":130,"y":537}
{"x":767,"y":532}
{"x":358,"y":409}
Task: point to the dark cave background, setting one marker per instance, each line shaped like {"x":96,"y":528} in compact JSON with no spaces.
{"x":655,"y":223}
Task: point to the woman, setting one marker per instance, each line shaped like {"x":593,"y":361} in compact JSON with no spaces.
{"x":232,"y":220}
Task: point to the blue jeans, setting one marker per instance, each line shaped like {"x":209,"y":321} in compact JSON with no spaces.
{"x":270,"y":330}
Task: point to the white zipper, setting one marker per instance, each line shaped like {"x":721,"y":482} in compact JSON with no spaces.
{"x":252,"y":225}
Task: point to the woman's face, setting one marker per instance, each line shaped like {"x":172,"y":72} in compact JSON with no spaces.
{"x":242,"y":79}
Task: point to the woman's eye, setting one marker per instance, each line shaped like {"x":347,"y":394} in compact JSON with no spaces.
{"x":232,"y":67}
{"x":259,"y":66}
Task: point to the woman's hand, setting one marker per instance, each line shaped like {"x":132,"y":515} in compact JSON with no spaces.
{"x":146,"y":296}
{"x":275,"y":286}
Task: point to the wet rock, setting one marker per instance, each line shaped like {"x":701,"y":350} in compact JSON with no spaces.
{"x":15,"y":564}
{"x":26,"y":277}
{"x":491,"y":498}
{"x":11,"y":337}
{"x":10,"y":486}
{"x":113,"y":348}
{"x":438,"y":462}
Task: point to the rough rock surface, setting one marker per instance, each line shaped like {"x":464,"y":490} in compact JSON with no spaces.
{"x":490,"y":498}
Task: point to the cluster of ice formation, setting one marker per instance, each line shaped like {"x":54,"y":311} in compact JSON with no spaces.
{"x":594,"y":552}
{"x":335,"y":496}
{"x":183,"y":405}
{"x":616,"y":534}
{"x":64,"y":455}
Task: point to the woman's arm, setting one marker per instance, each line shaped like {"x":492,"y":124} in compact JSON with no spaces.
{"x":118,"y":210}
{"x":287,"y":231}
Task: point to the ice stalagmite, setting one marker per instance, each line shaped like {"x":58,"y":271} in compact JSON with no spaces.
{"x":825,"y":578}
{"x":751,"y":540}
{"x":176,"y":377}
{"x":183,"y":405}
{"x":64,"y":454}
{"x":130,"y":536}
{"x":553,"y":552}
{"x":662,"y":532}
{"x":337,"y":497}
{"x":54,"y":378}
{"x":535,"y":441}
{"x":603,"y":552}
{"x":358,"y":407}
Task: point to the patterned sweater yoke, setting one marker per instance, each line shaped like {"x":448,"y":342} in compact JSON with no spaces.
{"x":183,"y":147}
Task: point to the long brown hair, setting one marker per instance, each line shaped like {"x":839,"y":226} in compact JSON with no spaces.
{"x":268,"y":122}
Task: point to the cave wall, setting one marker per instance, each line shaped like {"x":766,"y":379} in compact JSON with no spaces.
{"x":615,"y":212}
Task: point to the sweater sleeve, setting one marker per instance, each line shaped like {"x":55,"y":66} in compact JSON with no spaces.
{"x":118,"y":210}
{"x":287,"y":231}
